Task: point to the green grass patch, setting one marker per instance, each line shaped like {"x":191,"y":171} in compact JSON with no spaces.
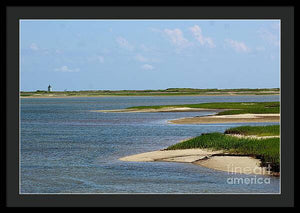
{"x":265,"y":149}
{"x":230,"y":107}
{"x":270,"y":130}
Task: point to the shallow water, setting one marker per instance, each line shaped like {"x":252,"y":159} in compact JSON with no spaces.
{"x":68,"y":148}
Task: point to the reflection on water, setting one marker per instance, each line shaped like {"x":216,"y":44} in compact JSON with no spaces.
{"x":67,"y":148}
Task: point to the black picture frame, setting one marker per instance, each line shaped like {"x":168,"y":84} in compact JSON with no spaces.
{"x":13,"y":14}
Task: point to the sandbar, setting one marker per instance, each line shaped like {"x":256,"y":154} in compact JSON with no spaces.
{"x":164,"y":109}
{"x":217,"y":160}
{"x":239,"y":118}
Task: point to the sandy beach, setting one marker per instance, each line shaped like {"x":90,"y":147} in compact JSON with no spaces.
{"x":209,"y":119}
{"x":218,"y":160}
{"x":184,"y":155}
{"x":234,"y":165}
{"x":240,"y":118}
{"x":164,"y":109}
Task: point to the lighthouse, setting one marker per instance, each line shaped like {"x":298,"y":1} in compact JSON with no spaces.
{"x":49,"y":88}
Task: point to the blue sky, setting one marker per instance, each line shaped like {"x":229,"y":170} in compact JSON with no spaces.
{"x":141,"y":54}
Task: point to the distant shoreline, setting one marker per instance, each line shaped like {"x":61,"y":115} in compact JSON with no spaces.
{"x":164,"y":92}
{"x":87,"y":96}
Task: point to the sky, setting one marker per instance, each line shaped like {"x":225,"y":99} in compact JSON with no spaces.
{"x":149,"y":54}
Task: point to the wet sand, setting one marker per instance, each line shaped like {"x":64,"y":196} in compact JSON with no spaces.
{"x":183,"y":155}
{"x":234,"y":165}
{"x":217,"y":160}
{"x":240,"y":118}
{"x":209,"y":119}
{"x":164,"y":109}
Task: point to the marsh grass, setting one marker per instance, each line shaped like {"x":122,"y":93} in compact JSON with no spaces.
{"x":229,"y":108}
{"x":266,"y":149}
{"x":270,"y":130}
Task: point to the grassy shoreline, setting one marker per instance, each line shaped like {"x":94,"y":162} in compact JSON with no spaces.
{"x":271,"y":130}
{"x":230,"y":108}
{"x":265,"y":149}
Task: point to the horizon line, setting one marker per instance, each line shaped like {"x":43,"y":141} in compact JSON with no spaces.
{"x":153,"y":89}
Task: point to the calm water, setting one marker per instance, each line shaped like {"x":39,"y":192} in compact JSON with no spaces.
{"x":67,"y":148}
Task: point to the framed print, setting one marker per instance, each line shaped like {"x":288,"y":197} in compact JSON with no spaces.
{"x":150,"y":106}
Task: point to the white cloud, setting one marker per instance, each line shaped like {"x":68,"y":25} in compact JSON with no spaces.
{"x":66,"y":69}
{"x":197,"y":32}
{"x":176,"y":37}
{"x":34,"y":47}
{"x":147,"y":67}
{"x":270,"y":37}
{"x":44,"y":51}
{"x":124,"y":43}
{"x":141,"y":58}
{"x":144,"y":59}
{"x":237,"y":45}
